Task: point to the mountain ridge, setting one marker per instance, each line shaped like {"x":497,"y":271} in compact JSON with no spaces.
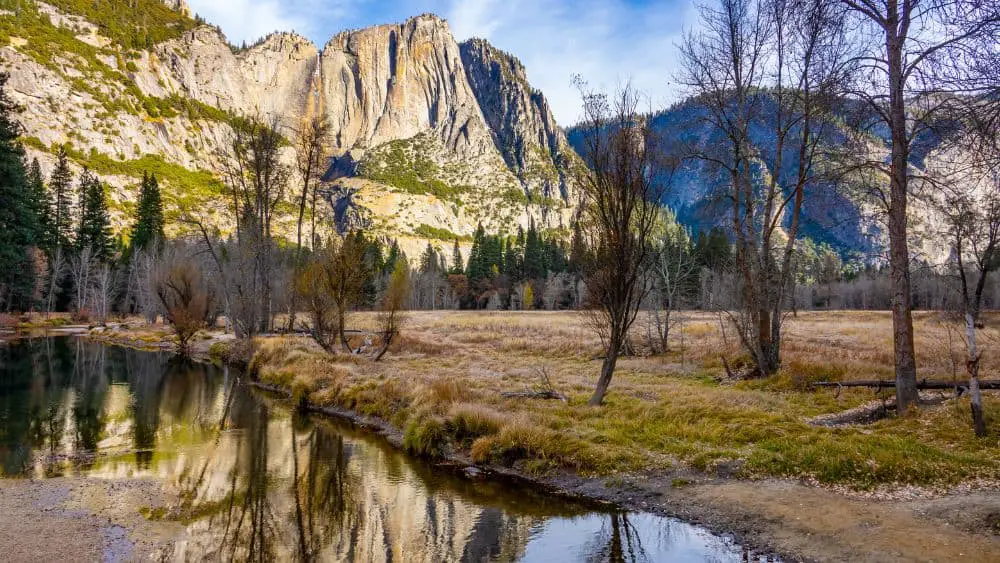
{"x":123,"y":104}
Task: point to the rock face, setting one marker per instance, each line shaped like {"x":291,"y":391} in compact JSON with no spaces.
{"x":427,"y":136}
{"x":519,"y":118}
{"x":396,"y":81}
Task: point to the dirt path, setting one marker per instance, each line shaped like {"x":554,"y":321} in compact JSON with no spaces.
{"x":69,"y":520}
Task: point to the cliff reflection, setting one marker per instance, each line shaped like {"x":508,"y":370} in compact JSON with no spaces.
{"x":257,"y":482}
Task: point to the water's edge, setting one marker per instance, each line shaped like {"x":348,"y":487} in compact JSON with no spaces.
{"x":650,"y":492}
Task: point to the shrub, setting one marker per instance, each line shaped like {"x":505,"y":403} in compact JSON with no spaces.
{"x":467,"y":423}
{"x":426,"y":436}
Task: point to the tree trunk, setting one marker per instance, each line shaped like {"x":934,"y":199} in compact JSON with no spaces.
{"x":972,"y":366}
{"x":899,"y":256}
{"x":607,"y":370}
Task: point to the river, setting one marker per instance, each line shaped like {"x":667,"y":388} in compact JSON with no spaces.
{"x":257,"y":481}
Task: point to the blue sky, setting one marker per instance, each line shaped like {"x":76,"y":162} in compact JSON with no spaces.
{"x":605,"y":41}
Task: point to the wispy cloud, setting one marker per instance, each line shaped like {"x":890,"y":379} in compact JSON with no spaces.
{"x":606,"y":42}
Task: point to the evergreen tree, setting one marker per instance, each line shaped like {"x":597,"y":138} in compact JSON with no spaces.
{"x":391,"y":258}
{"x":41,"y":207}
{"x":478,"y":268}
{"x":95,"y":227}
{"x":17,"y":222}
{"x":512,"y":261}
{"x":60,"y":186}
{"x":429,"y":260}
{"x":534,"y":261}
{"x":149,"y":217}
{"x":457,"y":264}
{"x":578,"y":251}
{"x":492,"y":255}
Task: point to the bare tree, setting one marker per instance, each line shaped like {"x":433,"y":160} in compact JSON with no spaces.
{"x":82,"y":268}
{"x":775,"y":65}
{"x":184,"y":295}
{"x":911,"y":55}
{"x":310,"y":147}
{"x":102,"y":291}
{"x":332,"y":286}
{"x":674,"y":270}
{"x":968,"y":179}
{"x":390,"y":315}
{"x":256,"y":179}
{"x":57,"y":271}
{"x":623,"y":187}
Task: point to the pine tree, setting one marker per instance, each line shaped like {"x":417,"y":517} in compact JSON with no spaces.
{"x":95,"y":227}
{"x":41,"y":207}
{"x":512,"y":261}
{"x":149,"y":217}
{"x":17,"y":222}
{"x":478,"y":269}
{"x":534,"y":261}
{"x":457,"y":264}
{"x":429,"y":260}
{"x":60,"y":186}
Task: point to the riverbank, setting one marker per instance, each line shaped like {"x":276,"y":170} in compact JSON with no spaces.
{"x":69,"y":519}
{"x":674,"y":436}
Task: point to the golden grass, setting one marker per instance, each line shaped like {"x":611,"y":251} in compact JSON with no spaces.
{"x":442,"y":384}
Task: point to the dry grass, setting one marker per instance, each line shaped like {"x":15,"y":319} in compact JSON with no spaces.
{"x":443,"y":386}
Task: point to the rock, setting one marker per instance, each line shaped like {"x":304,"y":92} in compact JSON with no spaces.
{"x":466,"y":111}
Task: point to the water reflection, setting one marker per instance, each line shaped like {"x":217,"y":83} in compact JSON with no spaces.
{"x":260,"y":483}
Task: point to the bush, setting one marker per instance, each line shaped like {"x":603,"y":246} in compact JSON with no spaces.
{"x":426,"y":436}
{"x":468,"y":422}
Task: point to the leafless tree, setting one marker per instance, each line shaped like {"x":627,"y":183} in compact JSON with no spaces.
{"x":332,"y":286}
{"x":57,"y":271}
{"x":82,"y":267}
{"x":674,"y":269}
{"x":623,"y":187}
{"x":183,"y":293}
{"x":773,"y":65}
{"x":911,"y":57}
{"x":391,"y":315}
{"x":968,"y":183}
{"x":310,"y":147}
{"x":256,"y":180}
{"x":102,"y":291}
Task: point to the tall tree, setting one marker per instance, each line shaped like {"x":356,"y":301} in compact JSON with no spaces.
{"x":794,"y":50}
{"x":95,"y":228}
{"x":61,"y":188}
{"x":149,"y":223}
{"x":41,"y":207}
{"x":918,"y":52}
{"x":534,"y":259}
{"x":17,"y":221}
{"x":457,"y":263}
{"x":623,"y":186}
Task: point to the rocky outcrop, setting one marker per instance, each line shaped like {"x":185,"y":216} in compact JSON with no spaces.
{"x":396,"y":81}
{"x":520,"y":121}
{"x":420,"y":139}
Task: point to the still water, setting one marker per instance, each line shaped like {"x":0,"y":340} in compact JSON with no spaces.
{"x":261,"y":482}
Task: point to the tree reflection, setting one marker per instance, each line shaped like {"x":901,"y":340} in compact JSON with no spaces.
{"x":618,"y":542}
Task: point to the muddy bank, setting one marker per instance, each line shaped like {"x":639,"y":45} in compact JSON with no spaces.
{"x":73,"y":519}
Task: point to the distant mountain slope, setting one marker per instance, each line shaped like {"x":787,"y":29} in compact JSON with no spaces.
{"x":429,"y":137}
{"x":835,"y":214}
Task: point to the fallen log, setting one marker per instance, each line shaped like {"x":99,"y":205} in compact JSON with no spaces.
{"x":922,"y":384}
